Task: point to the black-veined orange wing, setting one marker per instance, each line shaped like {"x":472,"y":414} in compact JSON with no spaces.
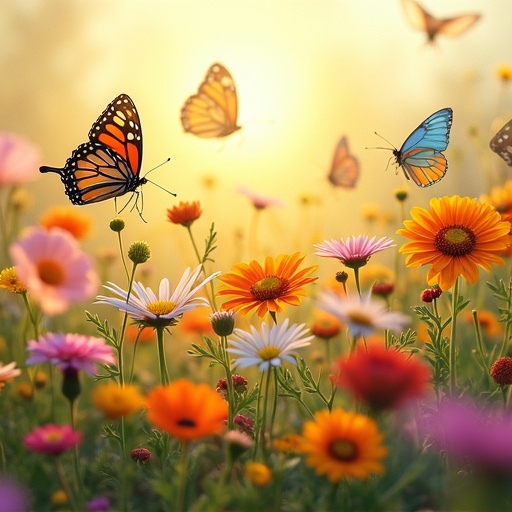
{"x":213,"y":111}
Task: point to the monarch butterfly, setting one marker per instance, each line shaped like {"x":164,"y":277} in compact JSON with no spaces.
{"x":213,"y":111}
{"x":108,"y":165}
{"x":420,"y":156}
{"x":422,"y":20}
{"x":345,"y":167}
{"x":501,"y":143}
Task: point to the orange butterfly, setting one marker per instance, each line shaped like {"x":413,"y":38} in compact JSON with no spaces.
{"x":213,"y":111}
{"x":422,"y":20}
{"x":108,"y":165}
{"x":345,"y":167}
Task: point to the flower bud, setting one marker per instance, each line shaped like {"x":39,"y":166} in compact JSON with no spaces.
{"x":117,"y":225}
{"x":139,"y":252}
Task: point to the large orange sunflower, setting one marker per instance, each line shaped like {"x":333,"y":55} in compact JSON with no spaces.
{"x":266,"y":288}
{"x":342,"y":444}
{"x":455,"y":237}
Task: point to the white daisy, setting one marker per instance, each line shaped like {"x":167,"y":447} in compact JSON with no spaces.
{"x":362,"y":315}
{"x":145,"y":307}
{"x":270,"y":347}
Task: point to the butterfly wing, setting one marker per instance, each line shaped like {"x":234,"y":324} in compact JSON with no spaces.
{"x":213,"y":111}
{"x":95,"y":173}
{"x":458,"y":25}
{"x":501,"y":143}
{"x":345,"y":167}
{"x":420,"y":155}
{"x":119,"y":129}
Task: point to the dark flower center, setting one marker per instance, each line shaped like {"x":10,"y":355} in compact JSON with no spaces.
{"x":268,"y":288}
{"x":343,"y":450}
{"x":455,"y":240}
{"x":187,"y":422}
{"x":50,"y":272}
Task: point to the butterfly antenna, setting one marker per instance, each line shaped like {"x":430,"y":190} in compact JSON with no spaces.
{"x":380,"y":147}
{"x":159,"y":186}
{"x":159,"y":165}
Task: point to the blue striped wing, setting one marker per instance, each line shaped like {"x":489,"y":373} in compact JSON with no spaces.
{"x":421,"y":155}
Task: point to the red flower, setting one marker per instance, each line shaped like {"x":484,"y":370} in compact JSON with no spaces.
{"x":383,"y":378}
{"x":185,"y":213}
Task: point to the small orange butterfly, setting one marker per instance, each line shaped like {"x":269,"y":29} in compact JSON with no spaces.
{"x":213,"y":111}
{"x":422,"y":20}
{"x":501,"y":143}
{"x":345,"y":167}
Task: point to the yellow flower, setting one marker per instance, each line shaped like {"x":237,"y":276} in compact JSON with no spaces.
{"x":67,"y":218}
{"x":289,"y":443}
{"x":504,"y":72}
{"x":10,"y":281}
{"x":117,"y":401}
{"x":455,"y":237}
{"x":341,"y":444}
{"x":266,"y":288}
{"x":258,"y":474}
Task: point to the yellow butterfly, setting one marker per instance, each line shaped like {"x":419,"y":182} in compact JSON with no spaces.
{"x":213,"y":111}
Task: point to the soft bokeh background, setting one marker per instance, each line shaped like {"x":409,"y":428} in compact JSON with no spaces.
{"x":307,"y":72}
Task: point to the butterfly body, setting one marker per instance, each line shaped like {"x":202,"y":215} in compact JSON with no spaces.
{"x":344,"y":170}
{"x":107,"y":166}
{"x":213,"y":111}
{"x":420,"y":156}
{"x":421,"y":19}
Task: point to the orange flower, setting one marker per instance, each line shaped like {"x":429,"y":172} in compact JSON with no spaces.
{"x":196,"y":321}
{"x":488,"y":322}
{"x":268,"y":288}
{"x":145,"y":335}
{"x":186,"y":410}
{"x":455,"y":237}
{"x":185,"y":213}
{"x":326,"y":326}
{"x":67,"y":218}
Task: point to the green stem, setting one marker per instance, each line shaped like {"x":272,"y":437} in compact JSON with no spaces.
{"x":30,"y":313}
{"x":479,"y":341}
{"x":508,"y":325}
{"x":135,"y":346}
{"x":453,"y":338}
{"x":182,"y":468}
{"x":65,"y":485}
{"x":356,"y":278}
{"x":229,"y":383}
{"x":120,"y":240}
{"x":258,"y":424}
{"x":76,"y":459}
{"x":274,"y":403}
{"x":164,"y":374}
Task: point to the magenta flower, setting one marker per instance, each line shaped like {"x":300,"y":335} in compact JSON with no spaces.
{"x":70,"y":352}
{"x":52,"y":439}
{"x":19,"y":160}
{"x":356,"y":251}
{"x":54,"y":269}
{"x":259,"y":201}
{"x":477,"y":435}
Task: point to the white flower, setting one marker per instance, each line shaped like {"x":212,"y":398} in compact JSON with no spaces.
{"x":269,"y":347}
{"x":362,"y":315}
{"x":7,"y":373}
{"x":143,"y":305}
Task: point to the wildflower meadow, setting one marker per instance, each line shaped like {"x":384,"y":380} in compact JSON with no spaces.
{"x":344,"y":355}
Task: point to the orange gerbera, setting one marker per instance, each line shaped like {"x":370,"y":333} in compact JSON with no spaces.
{"x":455,"y":237}
{"x":186,"y":410}
{"x":266,"y":288}
{"x":67,"y":218}
{"x":185,"y":213}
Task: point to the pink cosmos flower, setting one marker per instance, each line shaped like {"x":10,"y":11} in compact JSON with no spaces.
{"x":356,"y":251}
{"x":54,"y":269}
{"x":70,"y":352}
{"x":52,"y":439}
{"x":260,"y":201}
{"x":7,"y":373}
{"x":19,"y":160}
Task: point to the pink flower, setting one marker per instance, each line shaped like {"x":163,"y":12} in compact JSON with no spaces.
{"x":54,"y":269}
{"x":355,"y":252}
{"x":7,"y":373}
{"x":52,"y":439}
{"x":70,"y":351}
{"x":19,"y":160}
{"x":259,"y":201}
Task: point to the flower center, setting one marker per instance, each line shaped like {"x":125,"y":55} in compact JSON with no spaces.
{"x":360,"y":318}
{"x":455,"y":240}
{"x":343,"y":450}
{"x":50,"y":272}
{"x":268,"y":353}
{"x":52,"y":437}
{"x":161,"y":307}
{"x":356,"y":261}
{"x":186,"y":422}
{"x":269,"y":288}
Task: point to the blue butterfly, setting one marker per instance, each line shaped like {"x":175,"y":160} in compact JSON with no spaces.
{"x":420,"y":156}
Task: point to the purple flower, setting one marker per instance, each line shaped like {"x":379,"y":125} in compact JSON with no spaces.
{"x":98,"y":504}
{"x":13,"y":497}
{"x":70,"y":352}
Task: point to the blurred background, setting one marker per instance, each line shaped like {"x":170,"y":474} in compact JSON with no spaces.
{"x":306,"y":72}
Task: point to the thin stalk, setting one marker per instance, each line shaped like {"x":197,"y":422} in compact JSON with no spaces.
{"x":65,"y":485}
{"x":180,"y":498}
{"x":356,"y":278}
{"x":453,"y":338}
{"x":229,"y":383}
{"x":258,"y":424}
{"x":164,"y":374}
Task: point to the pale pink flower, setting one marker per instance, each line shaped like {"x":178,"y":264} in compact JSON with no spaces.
{"x":19,"y":160}
{"x":356,"y":251}
{"x":54,"y":269}
{"x":7,"y":373}
{"x":362,"y":315}
{"x":52,"y":439}
{"x":70,"y":352}
{"x":260,"y":201}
